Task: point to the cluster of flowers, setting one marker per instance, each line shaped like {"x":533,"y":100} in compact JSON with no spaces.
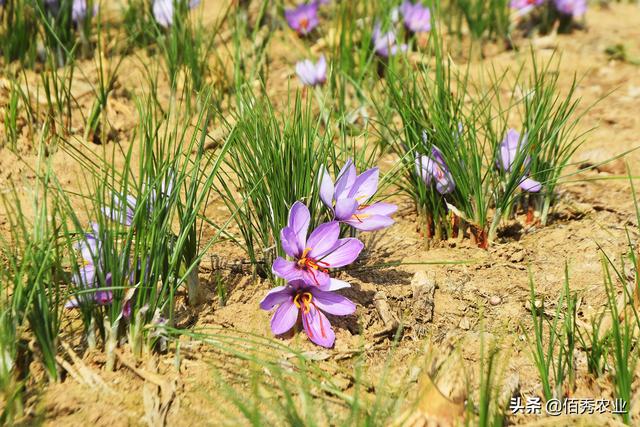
{"x":304,"y":19}
{"x":310,"y":290}
{"x":434,"y":169}
{"x":573,"y":8}
{"x":92,"y":254}
{"x":162,"y":10}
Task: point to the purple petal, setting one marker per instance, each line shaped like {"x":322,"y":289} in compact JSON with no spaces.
{"x":275,"y":296}
{"x":345,"y":180}
{"x":323,"y":239}
{"x":299,"y":218}
{"x":343,"y":253}
{"x":317,"y":327}
{"x":326,"y":187}
{"x":163,"y":12}
{"x":530,"y":185}
{"x":303,"y":19}
{"x":335,"y":284}
{"x":289,"y":242}
{"x":345,"y":208}
{"x":317,"y":278}
{"x":333,"y":303}
{"x":371,"y":223}
{"x":379,"y":208}
{"x":287,"y":270}
{"x":365,"y":185}
{"x":284,"y":318}
{"x":321,"y":70}
{"x":72,"y":303}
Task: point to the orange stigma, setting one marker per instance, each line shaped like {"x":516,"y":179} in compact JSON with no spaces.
{"x":304,"y":301}
{"x":311,"y":265}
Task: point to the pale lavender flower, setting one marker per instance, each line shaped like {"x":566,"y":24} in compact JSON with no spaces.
{"x":298,"y":299}
{"x":510,"y":148}
{"x":349,"y":198}
{"x":434,"y":168}
{"x":123,"y":208}
{"x":574,"y":8}
{"x":79,"y":10}
{"x":311,"y":74}
{"x":417,"y":18}
{"x":304,"y":18}
{"x":87,"y":278}
{"x":385,"y":44}
{"x":91,"y":252}
{"x":315,"y":255}
{"x":163,"y":11}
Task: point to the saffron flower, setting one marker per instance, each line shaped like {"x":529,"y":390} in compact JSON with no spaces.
{"x":90,"y":249}
{"x":385,"y":44}
{"x":417,"y":18}
{"x":123,"y":208}
{"x":298,"y":299}
{"x":434,"y":168}
{"x":304,"y":18}
{"x":315,"y":255}
{"x":524,"y":6}
{"x":91,"y":252}
{"x":574,"y":8}
{"x":79,"y":10}
{"x":163,"y":11}
{"x":510,"y":147}
{"x":311,"y":74}
{"x":348,"y":198}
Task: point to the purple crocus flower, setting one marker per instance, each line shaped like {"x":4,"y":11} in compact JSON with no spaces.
{"x":348,"y":198}
{"x":510,"y":147}
{"x":79,"y":10}
{"x":298,"y":299}
{"x":524,"y":6}
{"x":122,"y":211}
{"x":163,"y":11}
{"x":311,"y":74}
{"x":304,"y":18}
{"x":90,"y":249}
{"x":434,"y":167}
{"x":313,"y":256}
{"x":417,"y":18}
{"x":574,"y":8}
{"x":385,"y":44}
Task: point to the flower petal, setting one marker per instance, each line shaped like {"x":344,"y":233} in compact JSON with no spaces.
{"x":530,"y":185}
{"x":275,"y":297}
{"x":365,"y":185}
{"x":284,"y":318}
{"x":333,"y":303}
{"x":343,"y":253}
{"x":345,"y":180}
{"x":371,"y":223}
{"x":335,"y":284}
{"x":299,"y":218}
{"x":289,"y":242}
{"x":287,"y":270}
{"x":317,"y":327}
{"x":345,"y":208}
{"x":379,"y":208}
{"x":323,"y":238}
{"x":315,"y":278}
{"x":326,"y":187}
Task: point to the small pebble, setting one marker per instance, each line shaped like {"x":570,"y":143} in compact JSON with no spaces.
{"x":495,"y":300}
